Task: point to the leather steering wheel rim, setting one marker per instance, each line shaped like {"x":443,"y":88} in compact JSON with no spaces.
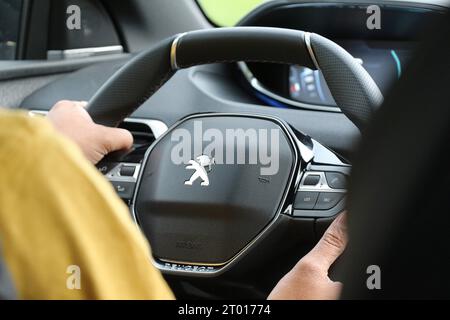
{"x":352,"y":87}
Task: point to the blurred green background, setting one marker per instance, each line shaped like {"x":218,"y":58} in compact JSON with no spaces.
{"x":227,"y":13}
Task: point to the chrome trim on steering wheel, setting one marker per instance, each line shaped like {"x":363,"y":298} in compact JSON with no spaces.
{"x":173,"y":52}
{"x":310,"y":50}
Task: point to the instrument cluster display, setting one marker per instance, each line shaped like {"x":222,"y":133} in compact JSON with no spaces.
{"x":384,"y":61}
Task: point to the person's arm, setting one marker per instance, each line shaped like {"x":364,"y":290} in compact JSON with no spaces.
{"x":58,"y":216}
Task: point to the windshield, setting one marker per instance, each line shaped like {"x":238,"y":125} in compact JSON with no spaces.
{"x":226,"y":13}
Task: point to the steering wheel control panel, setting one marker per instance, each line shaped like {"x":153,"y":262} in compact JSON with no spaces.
{"x":122,"y":168}
{"x":123,"y":177}
{"x":320,"y":194}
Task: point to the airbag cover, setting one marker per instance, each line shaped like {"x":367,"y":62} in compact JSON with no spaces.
{"x":209,"y":225}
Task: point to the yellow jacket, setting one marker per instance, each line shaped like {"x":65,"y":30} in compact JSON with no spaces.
{"x":64,"y":232}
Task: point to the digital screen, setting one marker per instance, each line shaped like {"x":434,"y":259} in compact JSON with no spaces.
{"x":384,"y":61}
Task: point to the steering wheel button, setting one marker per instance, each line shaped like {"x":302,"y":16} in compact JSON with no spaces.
{"x":127,"y":171}
{"x":328,"y":200}
{"x":305,"y":200}
{"x":124,"y":189}
{"x":311,"y":180}
{"x":106,"y":167}
{"x":336,"y":180}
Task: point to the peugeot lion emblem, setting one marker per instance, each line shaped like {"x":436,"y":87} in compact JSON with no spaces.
{"x":202,"y":166}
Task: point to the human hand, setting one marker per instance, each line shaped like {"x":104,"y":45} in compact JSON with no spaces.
{"x":309,"y":280}
{"x":72,"y":120}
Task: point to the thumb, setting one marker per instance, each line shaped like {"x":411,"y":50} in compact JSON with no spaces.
{"x":331,"y":245}
{"x":114,"y":139}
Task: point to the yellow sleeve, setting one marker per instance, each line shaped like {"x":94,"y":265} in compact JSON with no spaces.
{"x":61,"y":223}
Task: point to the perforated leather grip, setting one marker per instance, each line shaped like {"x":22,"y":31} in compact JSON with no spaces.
{"x":135,"y":82}
{"x":132,"y":85}
{"x":352,"y":87}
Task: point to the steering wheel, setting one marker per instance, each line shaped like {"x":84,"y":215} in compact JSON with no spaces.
{"x":203,"y":209}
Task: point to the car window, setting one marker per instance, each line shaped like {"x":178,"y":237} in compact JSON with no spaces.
{"x":9,"y":28}
{"x":227,"y":13}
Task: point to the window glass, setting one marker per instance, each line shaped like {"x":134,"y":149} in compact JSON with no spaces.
{"x":227,"y":13}
{"x":9,"y":28}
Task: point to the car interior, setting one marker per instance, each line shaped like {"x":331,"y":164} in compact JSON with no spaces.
{"x":313,"y":69}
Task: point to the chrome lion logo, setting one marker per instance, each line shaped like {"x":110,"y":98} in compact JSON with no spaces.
{"x":202,"y":165}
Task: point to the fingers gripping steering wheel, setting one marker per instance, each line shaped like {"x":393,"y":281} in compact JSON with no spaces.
{"x":212,"y":225}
